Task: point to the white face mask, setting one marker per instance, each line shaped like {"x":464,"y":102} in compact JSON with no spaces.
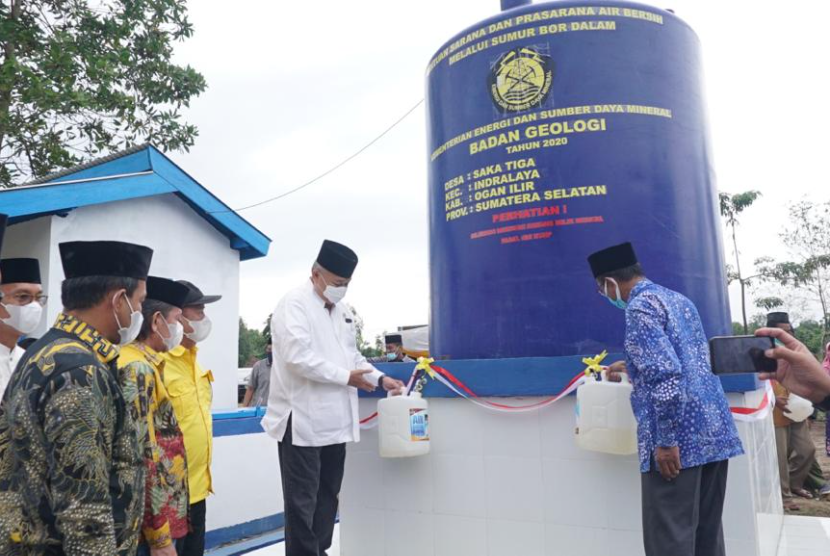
{"x":131,"y":332}
{"x":201,"y":329}
{"x":175,"y":332}
{"x":334,"y":294}
{"x":24,"y":318}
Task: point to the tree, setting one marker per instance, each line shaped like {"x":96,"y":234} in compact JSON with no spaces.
{"x":266,"y":328}
{"x":810,"y":333}
{"x":81,"y":78}
{"x":808,"y":241}
{"x":756,"y":322}
{"x":770,"y":303}
{"x":380,"y":343}
{"x":730,"y":207}
{"x":362,"y":344}
{"x":251,"y":344}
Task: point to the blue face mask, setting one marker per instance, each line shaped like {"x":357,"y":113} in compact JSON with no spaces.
{"x":619,"y":302}
{"x":391,"y":356}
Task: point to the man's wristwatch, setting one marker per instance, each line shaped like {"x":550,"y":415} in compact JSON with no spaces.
{"x":824,"y":404}
{"x":380,"y":381}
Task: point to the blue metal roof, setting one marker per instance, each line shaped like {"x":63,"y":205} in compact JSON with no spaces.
{"x":135,"y":173}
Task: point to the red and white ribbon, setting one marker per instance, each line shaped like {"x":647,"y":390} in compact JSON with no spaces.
{"x":750,"y":414}
{"x":369,"y":422}
{"x":743,"y":414}
{"x":454,"y":384}
{"x":450,"y":381}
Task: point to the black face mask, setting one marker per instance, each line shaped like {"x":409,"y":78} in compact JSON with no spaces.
{"x":270,"y":358}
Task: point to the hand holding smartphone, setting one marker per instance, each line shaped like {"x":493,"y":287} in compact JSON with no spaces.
{"x":741,"y":354}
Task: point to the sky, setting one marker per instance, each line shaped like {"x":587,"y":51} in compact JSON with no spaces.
{"x":296,"y":87}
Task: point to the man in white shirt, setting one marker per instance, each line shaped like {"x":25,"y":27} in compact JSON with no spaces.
{"x":23,"y":300}
{"x":312,"y":406}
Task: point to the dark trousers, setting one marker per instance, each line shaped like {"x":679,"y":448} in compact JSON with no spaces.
{"x":682,"y":517}
{"x":194,"y":543}
{"x":311,"y":480}
{"x":815,"y":480}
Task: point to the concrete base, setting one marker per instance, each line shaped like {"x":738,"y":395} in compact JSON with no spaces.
{"x":801,"y":536}
{"x":498,"y":484}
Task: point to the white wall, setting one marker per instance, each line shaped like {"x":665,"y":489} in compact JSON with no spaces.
{"x":246,"y":480}
{"x":185,"y":247}
{"x":517,"y":484}
{"x":32,"y":240}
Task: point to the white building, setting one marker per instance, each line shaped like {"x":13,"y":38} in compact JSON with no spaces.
{"x":141,"y":196}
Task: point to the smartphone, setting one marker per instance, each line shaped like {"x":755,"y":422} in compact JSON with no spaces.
{"x":741,"y":354}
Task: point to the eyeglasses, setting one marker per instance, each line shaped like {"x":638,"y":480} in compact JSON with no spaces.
{"x":26,"y":298}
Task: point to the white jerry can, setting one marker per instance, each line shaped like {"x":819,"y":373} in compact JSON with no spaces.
{"x":403,"y":424}
{"x":798,"y":409}
{"x":604,"y":418}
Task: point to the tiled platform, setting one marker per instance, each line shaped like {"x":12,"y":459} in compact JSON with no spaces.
{"x":496,"y":485}
{"x":279,"y":549}
{"x":803,"y":536}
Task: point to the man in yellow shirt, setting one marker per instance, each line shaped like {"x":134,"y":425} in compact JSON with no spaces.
{"x":140,"y":368}
{"x":191,"y":392}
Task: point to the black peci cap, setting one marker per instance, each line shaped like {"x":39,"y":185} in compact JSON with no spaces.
{"x":777,"y":318}
{"x":611,"y":259}
{"x":394,"y":339}
{"x":195,"y":295}
{"x":20,"y":271}
{"x":337,"y":259}
{"x":105,"y":258}
{"x":167,"y":291}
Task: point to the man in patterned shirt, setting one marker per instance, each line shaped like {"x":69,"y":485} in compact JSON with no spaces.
{"x":141,"y":368}
{"x":71,"y":474}
{"x":685,"y":429}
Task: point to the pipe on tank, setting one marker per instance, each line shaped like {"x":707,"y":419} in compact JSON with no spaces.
{"x":510,"y":4}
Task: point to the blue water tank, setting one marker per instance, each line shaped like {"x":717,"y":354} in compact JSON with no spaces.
{"x":555,"y":130}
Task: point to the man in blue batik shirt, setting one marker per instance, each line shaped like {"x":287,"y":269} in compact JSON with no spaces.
{"x":685,"y":430}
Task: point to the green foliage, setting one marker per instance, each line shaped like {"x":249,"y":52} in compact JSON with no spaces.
{"x":380,"y":343}
{"x":810,"y":333}
{"x":757,"y":321}
{"x":769,"y":303}
{"x":362,"y":343}
{"x":266,"y":329}
{"x":808,"y":268}
{"x":251,"y":344}
{"x":731,"y":274}
{"x":370,"y":351}
{"x":730,"y":207}
{"x":81,"y":78}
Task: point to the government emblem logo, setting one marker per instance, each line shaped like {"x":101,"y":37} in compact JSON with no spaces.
{"x":521,"y":79}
